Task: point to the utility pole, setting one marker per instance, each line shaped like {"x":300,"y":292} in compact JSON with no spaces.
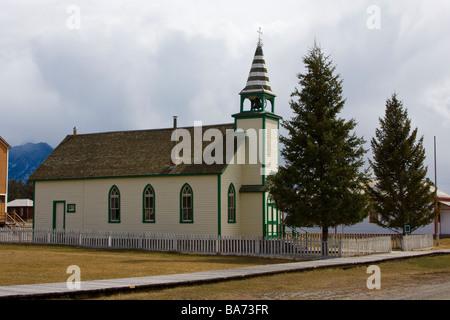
{"x":436,"y":196}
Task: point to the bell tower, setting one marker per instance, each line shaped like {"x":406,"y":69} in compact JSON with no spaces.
{"x":257,"y":90}
{"x":258,"y":125}
{"x":257,"y":118}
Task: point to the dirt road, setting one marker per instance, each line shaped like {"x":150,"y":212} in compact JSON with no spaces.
{"x":429,"y":290}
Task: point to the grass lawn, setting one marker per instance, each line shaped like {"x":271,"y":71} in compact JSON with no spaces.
{"x":22,"y":264}
{"x":29,"y":264}
{"x":330,"y":283}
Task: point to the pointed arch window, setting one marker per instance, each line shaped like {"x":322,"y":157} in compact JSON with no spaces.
{"x":148,"y":204}
{"x":231,"y":203}
{"x":186,"y":204}
{"x":114,"y":205}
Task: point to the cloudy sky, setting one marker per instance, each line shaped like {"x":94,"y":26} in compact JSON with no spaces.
{"x":127,"y":65}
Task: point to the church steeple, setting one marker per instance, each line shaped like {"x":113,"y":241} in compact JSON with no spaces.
{"x":258,"y":89}
{"x":257,"y":130}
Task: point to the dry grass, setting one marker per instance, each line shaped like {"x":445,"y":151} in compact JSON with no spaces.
{"x":443,"y":244}
{"x":37,"y":264}
{"x":332,"y":283}
{"x":29,"y":264}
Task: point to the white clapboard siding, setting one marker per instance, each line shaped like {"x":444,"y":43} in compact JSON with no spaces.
{"x":272,"y":148}
{"x":91,"y":199}
{"x":231,"y":175}
{"x":248,"y":154}
{"x":445,"y":220}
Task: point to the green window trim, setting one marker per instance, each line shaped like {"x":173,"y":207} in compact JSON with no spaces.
{"x":231,"y":204}
{"x":71,"y":208}
{"x":114,"y":205}
{"x":186,"y":204}
{"x":148,"y":205}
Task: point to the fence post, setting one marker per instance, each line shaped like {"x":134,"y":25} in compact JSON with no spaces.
{"x":324,"y":248}
{"x":404,"y":243}
{"x":339,"y":243}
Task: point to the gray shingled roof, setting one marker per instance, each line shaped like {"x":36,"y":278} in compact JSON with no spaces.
{"x":121,"y":154}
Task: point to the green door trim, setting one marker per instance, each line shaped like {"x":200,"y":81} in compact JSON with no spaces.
{"x":54,"y":213}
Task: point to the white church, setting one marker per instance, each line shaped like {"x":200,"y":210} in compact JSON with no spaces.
{"x":174,"y":180}
{"x":194,"y":180}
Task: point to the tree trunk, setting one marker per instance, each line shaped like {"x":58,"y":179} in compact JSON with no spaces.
{"x":324,"y":240}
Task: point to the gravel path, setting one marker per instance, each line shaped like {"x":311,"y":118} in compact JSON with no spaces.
{"x":429,"y":290}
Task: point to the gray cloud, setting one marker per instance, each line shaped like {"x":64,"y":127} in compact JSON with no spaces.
{"x":133,"y":65}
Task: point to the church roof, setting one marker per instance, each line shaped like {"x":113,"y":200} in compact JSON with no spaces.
{"x":258,"y":78}
{"x":122,"y":154}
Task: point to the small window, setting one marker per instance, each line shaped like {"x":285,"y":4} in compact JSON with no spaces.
{"x":231,"y":204}
{"x":114,"y":205}
{"x":149,"y":204}
{"x":373,"y":217}
{"x":187,"y":214}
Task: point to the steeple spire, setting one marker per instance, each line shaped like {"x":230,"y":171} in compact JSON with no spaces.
{"x":259,"y":38}
{"x":258,"y":87}
{"x":258,"y":78}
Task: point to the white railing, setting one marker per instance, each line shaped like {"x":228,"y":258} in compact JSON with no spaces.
{"x":289,"y":247}
{"x":417,"y":242}
{"x":364,"y":246}
{"x":356,"y":244}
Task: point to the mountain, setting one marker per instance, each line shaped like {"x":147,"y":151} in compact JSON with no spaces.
{"x":24,"y":159}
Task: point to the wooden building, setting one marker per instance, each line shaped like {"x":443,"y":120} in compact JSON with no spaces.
{"x":4,"y":155}
{"x":22,"y":207}
{"x":192,"y":180}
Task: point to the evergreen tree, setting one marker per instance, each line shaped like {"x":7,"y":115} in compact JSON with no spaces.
{"x":400,"y":193}
{"x":19,"y":190}
{"x":322,"y":183}
{"x":14,"y":189}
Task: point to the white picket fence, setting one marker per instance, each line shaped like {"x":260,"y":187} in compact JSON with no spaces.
{"x":417,"y":242}
{"x":310,"y":246}
{"x":364,"y":246}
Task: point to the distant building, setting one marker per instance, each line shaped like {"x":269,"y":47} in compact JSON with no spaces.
{"x":4,"y":155}
{"x":441,"y":224}
{"x":23,"y":207}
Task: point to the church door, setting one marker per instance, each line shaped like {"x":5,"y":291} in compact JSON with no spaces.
{"x":59,"y":215}
{"x":272,"y":221}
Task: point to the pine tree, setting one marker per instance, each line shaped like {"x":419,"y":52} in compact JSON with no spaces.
{"x":322,"y":183}
{"x":14,"y":189}
{"x":400,"y":192}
